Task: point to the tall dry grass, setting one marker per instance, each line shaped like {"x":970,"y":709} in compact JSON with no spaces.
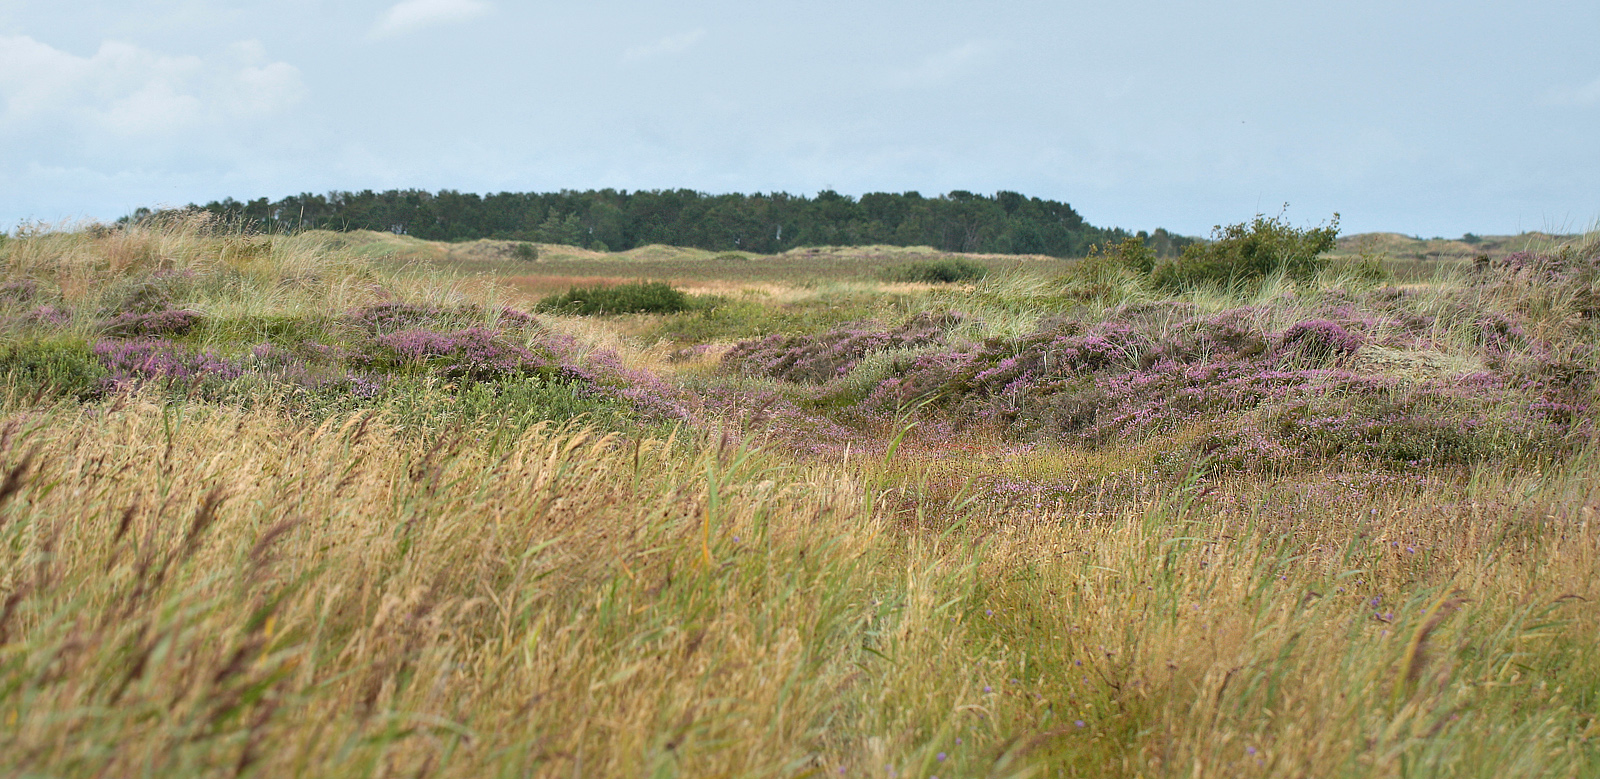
{"x":206,"y":591}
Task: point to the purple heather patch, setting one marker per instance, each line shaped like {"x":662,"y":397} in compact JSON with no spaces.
{"x":1319,"y":339}
{"x":129,"y":361}
{"x":1143,"y":374}
{"x":819,"y":358}
{"x":393,"y":316}
{"x":45,"y":316}
{"x":19,"y":291}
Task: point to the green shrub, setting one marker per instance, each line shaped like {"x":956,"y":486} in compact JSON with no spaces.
{"x":645,"y":297}
{"x":1247,"y":253}
{"x":60,"y":368}
{"x":508,"y":406}
{"x":1131,"y":254}
{"x":948,"y":270}
{"x":526,"y":252}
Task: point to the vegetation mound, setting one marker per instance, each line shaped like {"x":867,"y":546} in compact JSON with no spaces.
{"x":645,"y":297}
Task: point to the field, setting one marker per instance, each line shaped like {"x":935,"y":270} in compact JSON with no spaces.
{"x":359,"y":505}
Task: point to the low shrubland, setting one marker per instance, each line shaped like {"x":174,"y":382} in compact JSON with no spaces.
{"x":268,"y":509}
{"x":1494,"y":367}
{"x":179,"y":304}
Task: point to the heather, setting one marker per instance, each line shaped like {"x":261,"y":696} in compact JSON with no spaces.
{"x":268,"y":507}
{"x":1380,"y":376}
{"x":828,"y":355}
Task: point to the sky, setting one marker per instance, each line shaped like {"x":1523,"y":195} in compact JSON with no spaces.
{"x":1424,"y":118}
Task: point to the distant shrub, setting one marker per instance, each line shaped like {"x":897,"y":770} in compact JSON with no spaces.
{"x":948,"y":270}
{"x":599,"y":246}
{"x":1247,"y":253}
{"x":1131,"y":253}
{"x":647,"y":297}
{"x":526,"y":252}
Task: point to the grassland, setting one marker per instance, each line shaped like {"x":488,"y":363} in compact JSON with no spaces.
{"x":337,"y":505}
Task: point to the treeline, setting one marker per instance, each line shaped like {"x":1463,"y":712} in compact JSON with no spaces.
{"x":613,"y":220}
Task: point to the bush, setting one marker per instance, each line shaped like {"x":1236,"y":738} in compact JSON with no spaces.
{"x":948,"y":270}
{"x":1131,"y":254}
{"x":1244,"y":254}
{"x":526,"y":252}
{"x":645,"y":297}
{"x":60,"y":369}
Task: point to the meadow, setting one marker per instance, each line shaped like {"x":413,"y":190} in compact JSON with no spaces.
{"x":332,"y":504}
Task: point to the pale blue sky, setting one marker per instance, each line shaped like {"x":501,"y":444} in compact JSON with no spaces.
{"x":1427,"y":118}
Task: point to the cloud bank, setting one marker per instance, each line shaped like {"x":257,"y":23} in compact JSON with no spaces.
{"x":412,"y":15}
{"x":126,"y":92}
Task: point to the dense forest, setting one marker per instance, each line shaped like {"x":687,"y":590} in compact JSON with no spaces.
{"x":612,"y":220}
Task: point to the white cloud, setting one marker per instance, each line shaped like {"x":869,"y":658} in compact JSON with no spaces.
{"x":1588,"y":94}
{"x":673,"y":44}
{"x":939,"y":67}
{"x":123,"y":91}
{"x":413,"y":15}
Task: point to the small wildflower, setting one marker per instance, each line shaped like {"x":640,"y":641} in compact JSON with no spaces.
{"x":1080,"y":723}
